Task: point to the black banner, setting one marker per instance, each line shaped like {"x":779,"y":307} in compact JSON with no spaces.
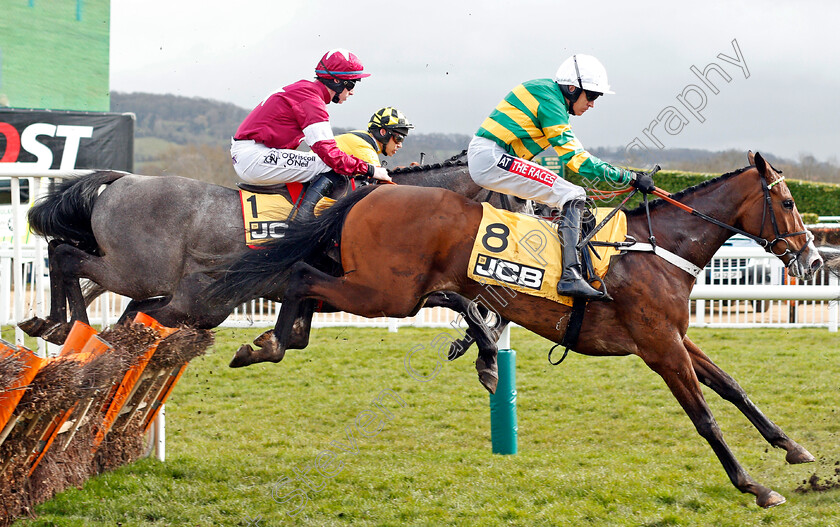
{"x":67,"y":140}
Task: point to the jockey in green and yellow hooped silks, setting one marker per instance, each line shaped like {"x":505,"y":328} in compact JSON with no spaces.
{"x":531,"y":118}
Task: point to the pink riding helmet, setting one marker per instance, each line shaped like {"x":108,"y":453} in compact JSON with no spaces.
{"x":340,"y":64}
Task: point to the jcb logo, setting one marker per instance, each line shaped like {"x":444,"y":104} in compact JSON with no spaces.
{"x":509,"y":272}
{"x":267,"y":230}
{"x":29,"y":142}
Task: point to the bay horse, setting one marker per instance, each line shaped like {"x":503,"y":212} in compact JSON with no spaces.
{"x":400,"y":244}
{"x":156,"y":240}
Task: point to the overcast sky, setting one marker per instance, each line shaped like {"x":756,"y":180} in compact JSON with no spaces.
{"x":446,"y":64}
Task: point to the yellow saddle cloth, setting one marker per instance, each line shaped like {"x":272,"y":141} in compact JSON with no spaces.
{"x":267,"y":215}
{"x":523,"y":253}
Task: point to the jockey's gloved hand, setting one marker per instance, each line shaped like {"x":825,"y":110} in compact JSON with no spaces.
{"x":381,"y":174}
{"x":644,"y":182}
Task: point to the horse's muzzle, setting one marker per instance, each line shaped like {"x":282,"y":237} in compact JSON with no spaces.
{"x":806,"y":264}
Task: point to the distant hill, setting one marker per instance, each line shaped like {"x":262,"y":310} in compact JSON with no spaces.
{"x":165,"y":121}
{"x":180,"y":120}
{"x":193,"y":134}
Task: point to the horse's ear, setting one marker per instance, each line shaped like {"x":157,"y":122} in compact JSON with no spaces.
{"x":750,"y":157}
{"x":760,"y":164}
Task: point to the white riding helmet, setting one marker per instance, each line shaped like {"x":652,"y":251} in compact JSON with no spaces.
{"x":583,"y":71}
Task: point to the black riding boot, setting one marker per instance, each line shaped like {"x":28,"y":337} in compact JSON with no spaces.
{"x":571,"y":281}
{"x":319,"y":188}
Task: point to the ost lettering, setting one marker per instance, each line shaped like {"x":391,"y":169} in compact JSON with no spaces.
{"x":28,"y":141}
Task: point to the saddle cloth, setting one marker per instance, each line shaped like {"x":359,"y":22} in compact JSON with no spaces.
{"x":523,"y":253}
{"x":266,"y":215}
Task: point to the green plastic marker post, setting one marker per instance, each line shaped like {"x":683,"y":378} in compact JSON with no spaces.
{"x":503,"y":402}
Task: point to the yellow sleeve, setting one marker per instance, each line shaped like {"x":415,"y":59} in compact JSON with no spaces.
{"x":357,"y":147}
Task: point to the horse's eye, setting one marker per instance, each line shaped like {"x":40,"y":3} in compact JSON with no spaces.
{"x":788,"y":204}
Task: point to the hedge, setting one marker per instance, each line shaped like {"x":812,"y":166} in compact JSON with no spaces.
{"x":822,"y":199}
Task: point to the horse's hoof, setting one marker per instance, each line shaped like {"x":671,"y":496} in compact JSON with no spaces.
{"x":243,"y":357}
{"x":488,"y":376}
{"x":264,"y":339}
{"x":270,"y":350}
{"x":799,"y":455}
{"x":33,"y":326}
{"x":769,"y":499}
{"x":56,"y":334}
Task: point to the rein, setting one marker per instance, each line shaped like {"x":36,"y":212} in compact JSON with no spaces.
{"x":763,"y":242}
{"x":679,"y":261}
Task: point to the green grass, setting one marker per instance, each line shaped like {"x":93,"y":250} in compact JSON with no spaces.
{"x":601,"y":440}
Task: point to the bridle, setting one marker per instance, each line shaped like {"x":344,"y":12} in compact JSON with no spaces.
{"x":768,"y":245}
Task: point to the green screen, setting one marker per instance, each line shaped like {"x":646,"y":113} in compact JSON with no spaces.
{"x":54,"y":54}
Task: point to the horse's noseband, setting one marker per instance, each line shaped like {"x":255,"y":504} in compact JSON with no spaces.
{"x":778,"y":237}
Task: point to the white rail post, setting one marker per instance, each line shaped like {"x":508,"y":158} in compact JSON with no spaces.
{"x":5,"y":289}
{"x":160,"y":434}
{"x":38,"y":279}
{"x":17,"y":266}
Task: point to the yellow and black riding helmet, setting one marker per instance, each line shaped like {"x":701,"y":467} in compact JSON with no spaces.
{"x":389,"y":120}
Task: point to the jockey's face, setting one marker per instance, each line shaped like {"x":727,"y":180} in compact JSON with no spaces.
{"x":392,"y":145}
{"x":582,"y":104}
{"x":345,"y":93}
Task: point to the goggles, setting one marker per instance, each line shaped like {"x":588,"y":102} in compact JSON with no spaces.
{"x":592,"y":95}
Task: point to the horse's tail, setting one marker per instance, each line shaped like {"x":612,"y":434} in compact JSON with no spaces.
{"x":64,"y":212}
{"x":259,"y":272}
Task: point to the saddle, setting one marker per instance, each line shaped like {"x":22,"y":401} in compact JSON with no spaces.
{"x":266,"y":209}
{"x":276,"y":188}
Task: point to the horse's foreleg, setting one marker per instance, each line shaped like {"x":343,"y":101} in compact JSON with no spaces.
{"x":64,"y":287}
{"x":186,"y":305}
{"x":675,"y":366}
{"x":37,"y":327}
{"x":151,"y":306}
{"x":718,"y":380}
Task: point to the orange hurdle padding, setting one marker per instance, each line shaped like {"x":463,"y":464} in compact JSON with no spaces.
{"x":46,"y":440}
{"x":131,"y":377}
{"x":79,"y":335}
{"x":92,"y":348}
{"x":164,"y":395}
{"x":10,"y":396}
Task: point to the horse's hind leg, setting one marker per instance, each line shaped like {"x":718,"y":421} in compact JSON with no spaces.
{"x":718,"y":380}
{"x":673,"y":363}
{"x":341,"y":293}
{"x":478,"y":331}
{"x":64,"y":260}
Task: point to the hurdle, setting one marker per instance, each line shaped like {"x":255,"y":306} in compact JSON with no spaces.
{"x":503,"y":428}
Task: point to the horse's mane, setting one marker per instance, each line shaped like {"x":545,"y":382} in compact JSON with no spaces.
{"x":457,"y":160}
{"x":685,"y":192}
